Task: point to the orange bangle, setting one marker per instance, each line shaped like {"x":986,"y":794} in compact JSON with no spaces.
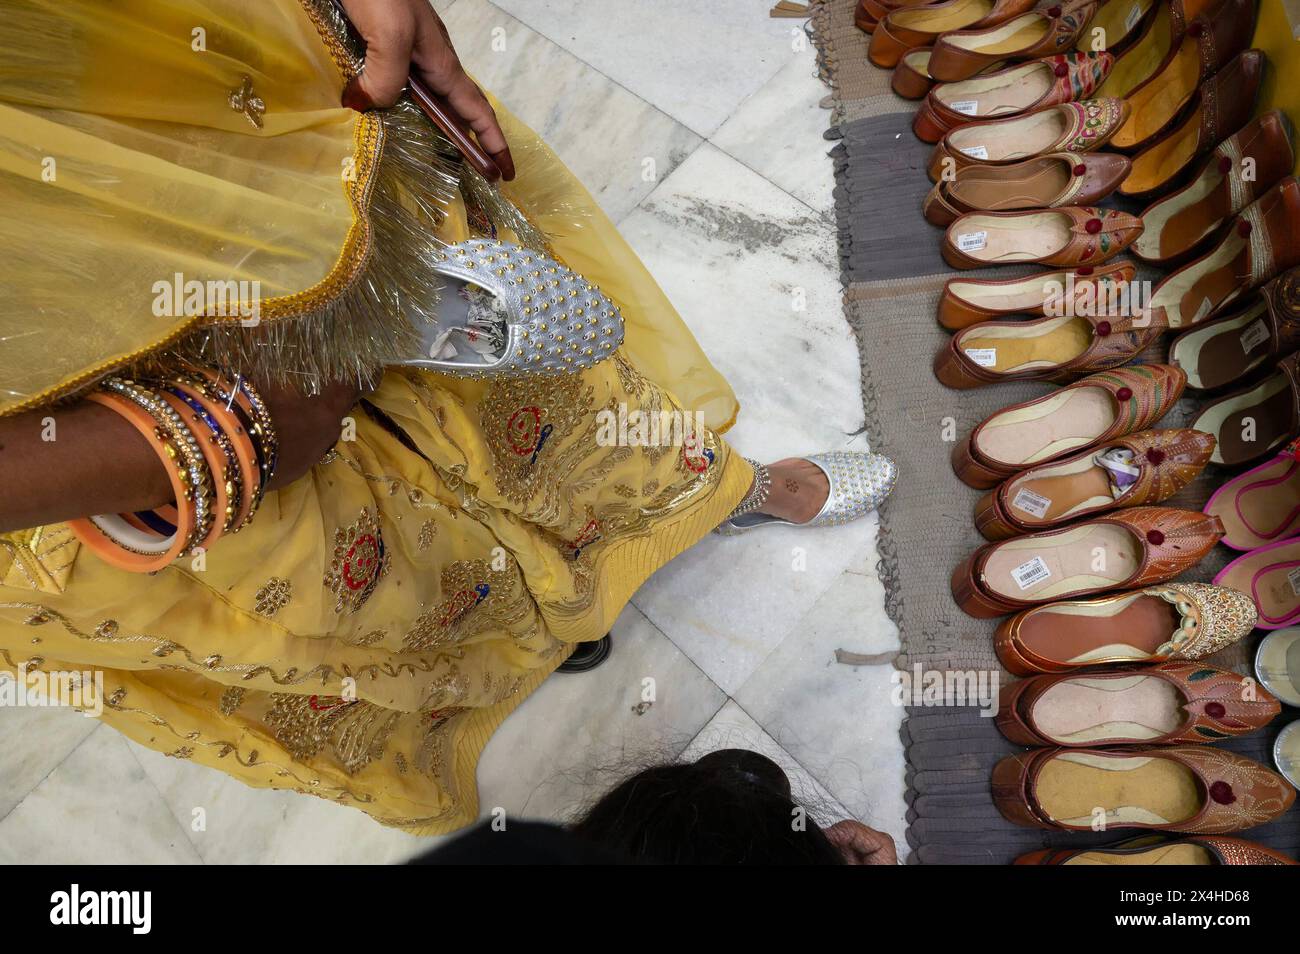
{"x":241,"y":443}
{"x":117,"y":542}
{"x":262,"y":428}
{"x":217,"y":463}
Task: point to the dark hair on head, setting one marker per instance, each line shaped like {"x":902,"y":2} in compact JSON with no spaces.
{"x":728,"y":808}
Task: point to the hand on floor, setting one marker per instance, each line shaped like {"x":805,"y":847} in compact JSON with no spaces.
{"x":861,"y":845}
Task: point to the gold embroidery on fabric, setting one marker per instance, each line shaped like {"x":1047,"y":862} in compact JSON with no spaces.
{"x":39,"y":559}
{"x":272,"y":597}
{"x":428,"y":530}
{"x":359,"y":561}
{"x":355,"y":732}
{"x":225,"y":749}
{"x":245,"y":100}
{"x":531,"y":429}
{"x":162,"y":648}
{"x":475,"y":599}
{"x":431,"y":758}
{"x":231,"y":700}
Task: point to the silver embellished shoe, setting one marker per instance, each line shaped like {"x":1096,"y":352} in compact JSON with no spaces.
{"x":859,"y":482}
{"x":510,"y":310}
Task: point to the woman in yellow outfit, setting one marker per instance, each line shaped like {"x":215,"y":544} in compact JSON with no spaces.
{"x":408,"y":581}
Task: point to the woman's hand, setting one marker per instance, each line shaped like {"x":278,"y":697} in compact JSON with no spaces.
{"x":306,"y":426}
{"x":401,"y":34}
{"x":861,"y":845}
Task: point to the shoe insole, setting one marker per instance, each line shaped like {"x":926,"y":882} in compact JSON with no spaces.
{"x":1128,"y":629}
{"x":1039,"y":184}
{"x":1278,"y":666}
{"x":1059,"y":492}
{"x":1011,"y":37}
{"x":1141,"y":62}
{"x":1158,"y":164}
{"x":1075,"y":786}
{"x":1115,"y":20}
{"x":1250,"y":424}
{"x":1063,"y":422}
{"x":1271,"y":578}
{"x":1055,"y":343}
{"x":1104,"y":711}
{"x":1186,"y":854}
{"x":1263,"y":507}
{"x":919,"y":60}
{"x":1175,"y":224}
{"x":941,"y":19}
{"x":1197,"y":290}
{"x":1027,"y":294}
{"x":1016,"y":138}
{"x":1223,"y":351}
{"x":1088,"y":557}
{"x":1021,"y":238}
{"x":1158,"y":102}
{"x":992,"y":96}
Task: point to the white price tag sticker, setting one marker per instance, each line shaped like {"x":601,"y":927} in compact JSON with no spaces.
{"x":1134,"y":15}
{"x":972,"y":241}
{"x":1294,"y":579}
{"x":976,"y":152}
{"x":1031,"y":503}
{"x":1031,"y":573}
{"x":984,"y":357}
{"x":1256,"y":333}
{"x":967,"y":107}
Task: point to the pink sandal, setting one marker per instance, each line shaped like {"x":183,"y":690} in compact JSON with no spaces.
{"x":1262,"y":505}
{"x":1270,"y":576}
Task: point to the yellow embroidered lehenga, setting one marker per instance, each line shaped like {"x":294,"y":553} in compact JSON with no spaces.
{"x":364,"y":636}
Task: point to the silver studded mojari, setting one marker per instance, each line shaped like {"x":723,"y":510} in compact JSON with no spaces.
{"x":859,"y":483}
{"x":556,"y":322}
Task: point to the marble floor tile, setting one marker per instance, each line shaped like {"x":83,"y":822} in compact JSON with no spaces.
{"x":733,"y":728}
{"x":837,"y":719}
{"x":777,"y":132}
{"x":739,"y":258}
{"x":229,"y":822}
{"x":98,"y":807}
{"x":695,"y":61}
{"x":618,"y":145}
{"x":33,"y":741}
{"x":580,"y":734}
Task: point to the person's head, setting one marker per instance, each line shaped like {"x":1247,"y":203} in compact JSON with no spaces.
{"x":729,"y":807}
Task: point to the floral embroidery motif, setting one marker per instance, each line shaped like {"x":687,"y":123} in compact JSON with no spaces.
{"x":245,"y":100}
{"x":353,"y":731}
{"x":428,"y":530}
{"x":272,"y":597}
{"x":432,"y":758}
{"x":231,"y":700}
{"x":475,"y":598}
{"x":359,"y":561}
{"x":525,"y":420}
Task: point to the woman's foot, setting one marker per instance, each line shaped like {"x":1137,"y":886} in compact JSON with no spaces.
{"x":819,"y":490}
{"x":799,"y":490}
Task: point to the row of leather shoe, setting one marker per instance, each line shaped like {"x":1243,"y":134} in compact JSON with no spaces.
{"x":1041,"y":119}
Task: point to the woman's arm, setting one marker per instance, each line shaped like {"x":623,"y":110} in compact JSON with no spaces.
{"x":57,"y":465}
{"x":84,"y":459}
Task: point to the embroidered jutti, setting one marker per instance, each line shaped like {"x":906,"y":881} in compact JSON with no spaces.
{"x":364,"y":636}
